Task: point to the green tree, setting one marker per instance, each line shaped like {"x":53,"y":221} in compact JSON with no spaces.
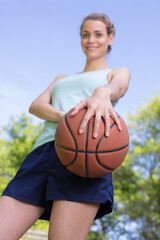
{"x":136,"y":212}
{"x":22,"y":135}
{"x":145,"y":132}
{"x":137,"y":182}
{"x":21,"y":138}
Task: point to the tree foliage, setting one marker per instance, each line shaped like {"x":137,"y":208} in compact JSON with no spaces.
{"x":136,"y":212}
{"x":21,"y":138}
{"x":137,"y":182}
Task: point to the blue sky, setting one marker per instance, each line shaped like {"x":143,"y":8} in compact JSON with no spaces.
{"x":40,"y":40}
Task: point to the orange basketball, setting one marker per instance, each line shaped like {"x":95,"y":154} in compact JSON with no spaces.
{"x":87,"y":156}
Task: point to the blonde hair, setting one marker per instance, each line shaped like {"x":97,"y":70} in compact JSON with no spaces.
{"x":103,"y":18}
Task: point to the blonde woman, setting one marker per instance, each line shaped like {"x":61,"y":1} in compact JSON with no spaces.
{"x":43,"y":188}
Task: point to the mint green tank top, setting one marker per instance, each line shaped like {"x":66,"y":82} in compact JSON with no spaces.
{"x":67,"y":93}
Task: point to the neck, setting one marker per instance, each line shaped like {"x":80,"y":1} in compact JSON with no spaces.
{"x":95,"y":64}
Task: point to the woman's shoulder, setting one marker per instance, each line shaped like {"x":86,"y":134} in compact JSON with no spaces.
{"x":118,"y":71}
{"x":121,"y":69}
{"x":60,"y":77}
{"x":121,"y":73}
{"x":56,"y":79}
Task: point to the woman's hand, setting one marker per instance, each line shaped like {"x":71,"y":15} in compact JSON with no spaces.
{"x":98,"y":105}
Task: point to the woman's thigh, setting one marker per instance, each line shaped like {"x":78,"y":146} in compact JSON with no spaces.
{"x":71,"y":220}
{"x":16,"y":217}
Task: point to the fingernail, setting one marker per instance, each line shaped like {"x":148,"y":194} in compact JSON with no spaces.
{"x":95,"y":135}
{"x":120,"y":129}
{"x":80,"y":131}
{"x":107,"y":134}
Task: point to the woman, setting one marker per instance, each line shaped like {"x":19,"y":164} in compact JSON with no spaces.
{"x":43,"y":187}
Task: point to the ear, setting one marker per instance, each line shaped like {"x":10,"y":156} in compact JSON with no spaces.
{"x":110,"y":38}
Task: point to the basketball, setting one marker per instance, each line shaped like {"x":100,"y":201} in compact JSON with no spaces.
{"x":87,"y":156}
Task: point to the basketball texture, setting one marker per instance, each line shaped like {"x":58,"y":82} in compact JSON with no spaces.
{"x":87,"y":156}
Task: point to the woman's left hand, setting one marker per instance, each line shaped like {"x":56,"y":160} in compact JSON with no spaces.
{"x":98,"y":105}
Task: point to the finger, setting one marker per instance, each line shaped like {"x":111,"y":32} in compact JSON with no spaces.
{"x":84,"y":121}
{"x":107,"y":125}
{"x":74,"y":111}
{"x":115,"y":118}
{"x":77,"y":108}
{"x":97,"y":121}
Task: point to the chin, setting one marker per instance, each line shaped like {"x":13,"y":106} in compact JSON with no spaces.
{"x":94,"y":56}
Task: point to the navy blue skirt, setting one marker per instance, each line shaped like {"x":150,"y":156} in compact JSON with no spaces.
{"x":42,"y":178}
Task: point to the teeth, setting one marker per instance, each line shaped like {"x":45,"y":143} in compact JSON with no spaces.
{"x":91,"y":48}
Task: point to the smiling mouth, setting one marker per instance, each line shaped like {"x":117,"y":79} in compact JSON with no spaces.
{"x":91,"y":48}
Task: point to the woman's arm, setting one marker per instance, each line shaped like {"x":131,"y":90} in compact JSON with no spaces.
{"x":99,"y":104}
{"x":42,"y":108}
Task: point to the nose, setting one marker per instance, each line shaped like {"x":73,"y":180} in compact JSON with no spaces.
{"x":91,"y":39}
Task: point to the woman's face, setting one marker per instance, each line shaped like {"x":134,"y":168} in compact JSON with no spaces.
{"x":94,"y":39}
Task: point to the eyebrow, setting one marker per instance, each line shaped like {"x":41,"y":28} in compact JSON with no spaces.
{"x":94,"y":31}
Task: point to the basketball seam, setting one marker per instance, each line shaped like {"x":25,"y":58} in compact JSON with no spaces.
{"x":74,"y":142}
{"x":86,"y":162}
{"x":104,"y":136}
{"x":80,"y":151}
{"x":106,"y":167}
{"x":115,"y":150}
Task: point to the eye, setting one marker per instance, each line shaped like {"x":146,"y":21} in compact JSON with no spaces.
{"x":85,"y":35}
{"x":98,"y":34}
